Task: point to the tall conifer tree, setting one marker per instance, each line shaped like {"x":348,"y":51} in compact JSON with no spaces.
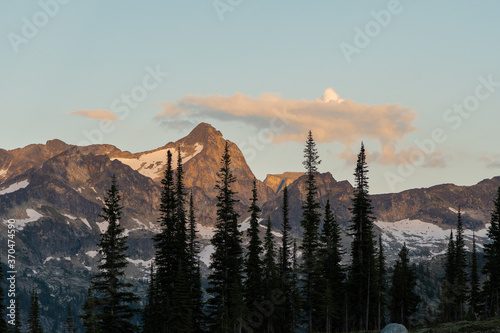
{"x":34,"y":324}
{"x":491,"y":269}
{"x":226,"y":305}
{"x":113,"y":299}
{"x":89,"y":317}
{"x":253,"y":269}
{"x":285,"y":268}
{"x":198,"y":316}
{"x":381,"y":285}
{"x":271,"y":279}
{"x":474,"y":298}
{"x":362,"y":272}
{"x":447,"y":301}
{"x":460,"y":285}
{"x":310,"y":224}
{"x":404,"y":298}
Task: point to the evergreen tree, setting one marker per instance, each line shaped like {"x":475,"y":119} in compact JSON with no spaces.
{"x":253,"y":269}
{"x":310,"y":224}
{"x":3,"y":322}
{"x":181,"y":308}
{"x":271,"y":278}
{"x":404,"y":299}
{"x":491,"y":269}
{"x":226,"y":304}
{"x":89,"y":317}
{"x":198,"y":317}
{"x":70,"y":325}
{"x":294,"y":289}
{"x":447,"y":301}
{"x":331,"y":291}
{"x":165,"y":256}
{"x":285,"y":310}
{"x":34,"y":324}
{"x":474,"y":298}
{"x":151,"y":312}
{"x":381,"y":285}
{"x":113,"y":300}
{"x":460,"y":286}
{"x":362,"y":272}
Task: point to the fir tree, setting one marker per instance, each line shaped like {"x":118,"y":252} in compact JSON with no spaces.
{"x":151,"y":312}
{"x":362,"y":272}
{"x":381,"y":285}
{"x":404,"y":298}
{"x":285,"y":310}
{"x":474,"y":298}
{"x":70,"y":325}
{"x":165,"y":244}
{"x":89,"y":317}
{"x":491,"y":269}
{"x":113,"y":300}
{"x":460,"y":285}
{"x":310,"y":224}
{"x":3,"y":322}
{"x":181,"y":298}
{"x":253,"y":292}
{"x":198,"y":317}
{"x":331,"y":291}
{"x":271,"y":278}
{"x":34,"y":324}
{"x":294,"y":289}
{"x":447,"y":301}
{"x":226,"y":304}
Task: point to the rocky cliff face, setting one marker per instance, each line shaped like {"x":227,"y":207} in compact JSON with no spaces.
{"x":278,"y":182}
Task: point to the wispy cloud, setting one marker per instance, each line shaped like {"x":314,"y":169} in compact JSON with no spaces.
{"x":492,"y":162}
{"x":96,"y":114}
{"x":331,"y":118}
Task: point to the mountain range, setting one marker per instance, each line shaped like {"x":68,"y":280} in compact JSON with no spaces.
{"x":55,"y":193}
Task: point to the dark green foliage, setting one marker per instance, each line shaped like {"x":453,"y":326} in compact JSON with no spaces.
{"x":310,"y":224}
{"x":253,"y":270}
{"x":151,"y":312}
{"x":491,"y":269}
{"x":404,"y":299}
{"x":34,"y":324}
{"x":381,"y":285}
{"x":113,"y":301}
{"x":447,"y":301}
{"x":226,"y":305}
{"x":285,"y":310}
{"x":70,"y":325}
{"x":89,"y":317}
{"x":362,"y":277}
{"x":474,"y":298}
{"x":271,"y":281}
{"x":460,"y":286}
{"x":196,"y":292}
{"x":330,"y":294}
{"x":294,"y":289}
{"x":165,"y":260}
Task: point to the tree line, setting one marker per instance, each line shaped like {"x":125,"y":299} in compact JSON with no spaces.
{"x":265,"y":286}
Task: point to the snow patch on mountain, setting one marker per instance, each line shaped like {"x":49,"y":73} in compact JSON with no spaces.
{"x":103,"y":226}
{"x":71,"y":217}
{"x":15,"y":187}
{"x":151,"y":164}
{"x":140,"y":262}
{"x":92,"y":253}
{"x":206,"y":253}
{"x":33,"y":216}
{"x":3,"y":172}
{"x":424,"y":240}
{"x":87,"y":223}
{"x":205,"y":232}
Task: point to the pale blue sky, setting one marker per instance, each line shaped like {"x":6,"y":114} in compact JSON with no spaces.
{"x":428,"y":57}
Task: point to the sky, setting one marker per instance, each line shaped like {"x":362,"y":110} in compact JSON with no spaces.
{"x":418,"y":82}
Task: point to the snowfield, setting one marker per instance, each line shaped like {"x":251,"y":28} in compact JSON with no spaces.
{"x":15,"y":187}
{"x":151,"y":164}
{"x":424,"y":240}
